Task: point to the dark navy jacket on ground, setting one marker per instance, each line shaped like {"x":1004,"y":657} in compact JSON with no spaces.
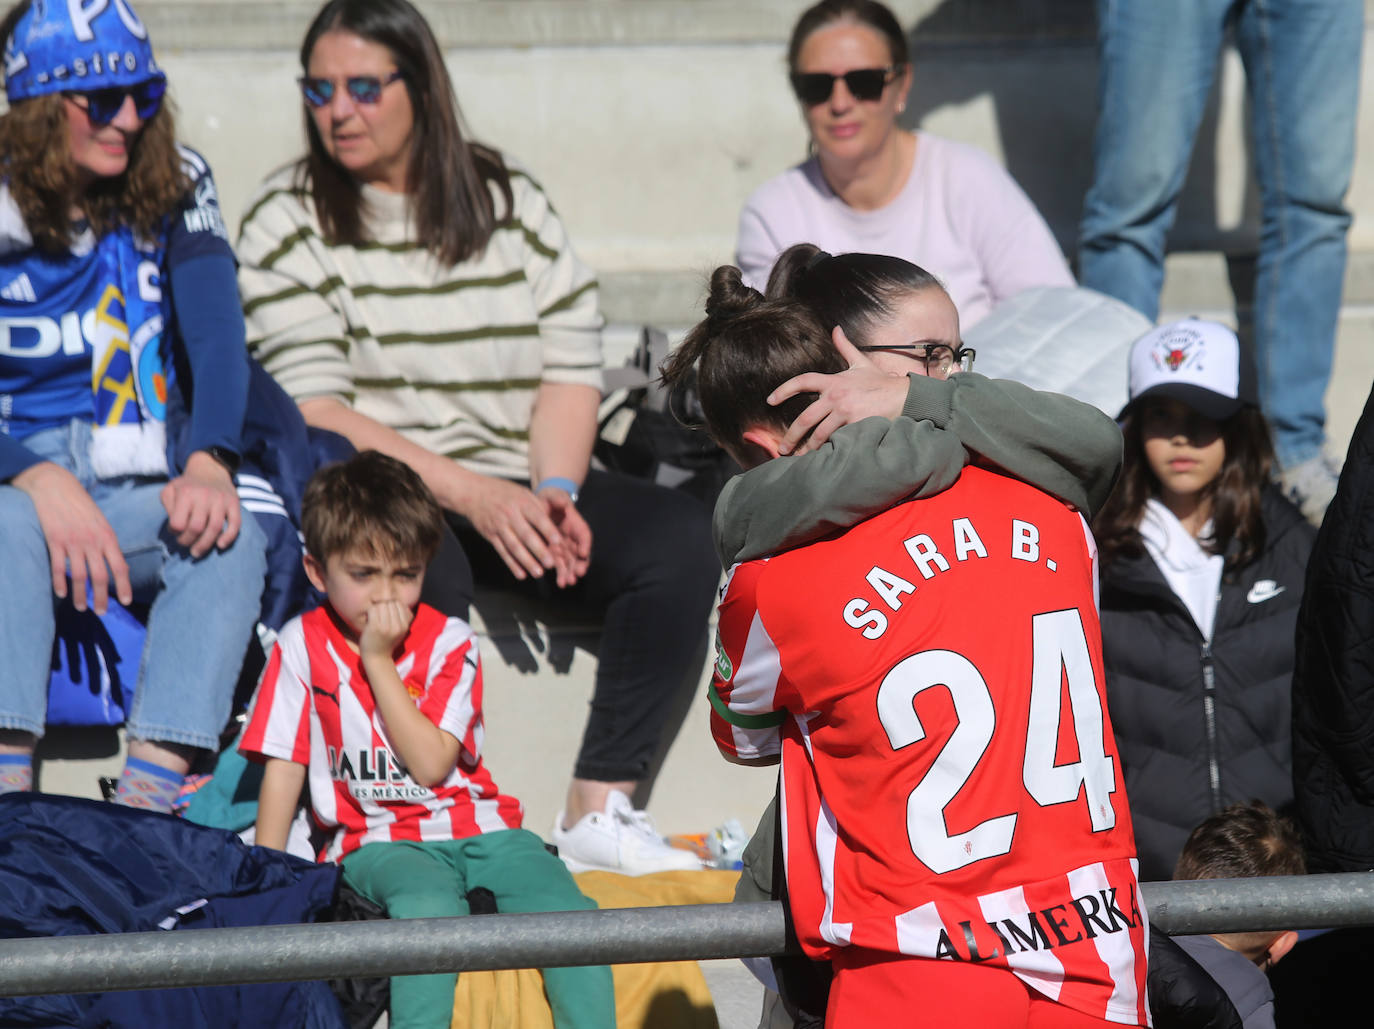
{"x":74,"y":867}
{"x":1185,"y":757}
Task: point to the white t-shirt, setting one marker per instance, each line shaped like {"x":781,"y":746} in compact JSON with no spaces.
{"x":960,"y":216}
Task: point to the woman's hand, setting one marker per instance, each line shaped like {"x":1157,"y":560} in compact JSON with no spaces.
{"x":519,"y":525}
{"x":203,"y":505}
{"x":845,"y":397}
{"x":572,"y":558}
{"x":77,"y":535}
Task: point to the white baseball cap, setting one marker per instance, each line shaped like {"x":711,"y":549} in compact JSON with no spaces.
{"x":1197,"y":362}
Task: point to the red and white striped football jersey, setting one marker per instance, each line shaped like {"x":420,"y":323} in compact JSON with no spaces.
{"x":313,"y":706}
{"x":932,"y":679}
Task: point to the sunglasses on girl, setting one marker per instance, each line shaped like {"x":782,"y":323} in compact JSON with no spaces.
{"x":364,"y":89}
{"x":101,"y":105}
{"x":815,"y":87}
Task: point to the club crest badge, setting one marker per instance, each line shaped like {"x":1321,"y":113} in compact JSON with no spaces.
{"x":1177,"y":351}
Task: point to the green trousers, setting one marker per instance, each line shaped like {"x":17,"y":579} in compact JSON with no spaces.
{"x":432,"y":880}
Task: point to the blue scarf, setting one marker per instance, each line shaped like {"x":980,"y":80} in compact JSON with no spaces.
{"x":128,"y":367}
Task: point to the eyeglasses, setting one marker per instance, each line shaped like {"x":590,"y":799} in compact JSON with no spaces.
{"x":364,"y":89}
{"x":938,"y":358}
{"x":102,"y":105}
{"x":815,"y":87}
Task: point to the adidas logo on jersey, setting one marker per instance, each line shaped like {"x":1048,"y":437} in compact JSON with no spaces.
{"x":19,"y":289}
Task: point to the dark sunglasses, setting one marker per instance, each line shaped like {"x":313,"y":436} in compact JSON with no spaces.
{"x":101,"y":105}
{"x":364,"y":89}
{"x":815,"y":87}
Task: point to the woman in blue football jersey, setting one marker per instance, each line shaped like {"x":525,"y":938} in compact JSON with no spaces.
{"x":117,"y":284}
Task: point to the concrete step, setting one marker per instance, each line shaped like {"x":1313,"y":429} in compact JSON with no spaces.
{"x":1194,"y":282}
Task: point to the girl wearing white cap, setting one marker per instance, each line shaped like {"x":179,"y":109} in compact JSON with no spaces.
{"x":1202,"y":571}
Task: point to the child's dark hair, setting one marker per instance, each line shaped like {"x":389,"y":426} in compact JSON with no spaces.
{"x":745,"y":348}
{"x":1240,"y":841}
{"x":853,"y":291}
{"x":1237,"y":526}
{"x":371,"y":503}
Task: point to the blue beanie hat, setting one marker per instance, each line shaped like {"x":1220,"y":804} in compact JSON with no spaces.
{"x":77,"y":45}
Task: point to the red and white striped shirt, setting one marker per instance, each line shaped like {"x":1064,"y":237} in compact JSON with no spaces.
{"x":932,"y":679}
{"x":314,"y":706}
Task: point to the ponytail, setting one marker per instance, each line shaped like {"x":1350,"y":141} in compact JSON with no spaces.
{"x":854,"y":291}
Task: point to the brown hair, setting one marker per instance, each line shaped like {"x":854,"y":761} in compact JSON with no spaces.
{"x":1240,"y":841}
{"x":447,"y":177}
{"x":744,"y":349}
{"x":42,"y":177}
{"x":854,"y":291}
{"x":371,"y":503}
{"x":868,"y":13}
{"x":1237,"y":525}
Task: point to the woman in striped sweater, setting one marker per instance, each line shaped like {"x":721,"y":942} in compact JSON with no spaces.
{"x":417,"y":294}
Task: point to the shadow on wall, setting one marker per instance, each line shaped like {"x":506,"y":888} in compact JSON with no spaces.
{"x":1035,"y":61}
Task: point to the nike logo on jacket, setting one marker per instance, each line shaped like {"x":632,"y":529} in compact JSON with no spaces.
{"x":1264,"y":589}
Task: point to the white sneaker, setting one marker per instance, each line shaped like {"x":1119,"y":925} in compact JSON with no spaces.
{"x":1311,"y":485}
{"x":618,"y":839}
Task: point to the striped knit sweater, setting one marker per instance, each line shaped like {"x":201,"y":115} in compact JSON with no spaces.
{"x":450,"y":357}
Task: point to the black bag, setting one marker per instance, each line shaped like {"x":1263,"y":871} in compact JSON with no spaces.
{"x":644,"y":428}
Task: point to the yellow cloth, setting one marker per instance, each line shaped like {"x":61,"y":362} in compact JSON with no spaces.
{"x":663,"y":995}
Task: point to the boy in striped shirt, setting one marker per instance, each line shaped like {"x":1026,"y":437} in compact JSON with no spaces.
{"x":376,"y":700}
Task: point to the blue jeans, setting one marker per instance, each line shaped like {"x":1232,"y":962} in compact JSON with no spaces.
{"x":199,"y":625}
{"x":1157,"y":61}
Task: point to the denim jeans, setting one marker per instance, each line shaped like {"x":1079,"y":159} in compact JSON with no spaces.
{"x":199,"y":625}
{"x":1157,"y":61}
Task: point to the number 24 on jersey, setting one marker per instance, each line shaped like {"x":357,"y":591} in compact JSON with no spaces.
{"x":1059,"y":653}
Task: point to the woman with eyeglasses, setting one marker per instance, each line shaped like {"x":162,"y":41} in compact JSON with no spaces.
{"x":892,"y":321}
{"x":415,"y":291}
{"x":899,"y":412}
{"x":872,"y":186}
{"x":116,"y":286}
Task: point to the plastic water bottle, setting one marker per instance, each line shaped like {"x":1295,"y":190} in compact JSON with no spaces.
{"x":726,"y":844}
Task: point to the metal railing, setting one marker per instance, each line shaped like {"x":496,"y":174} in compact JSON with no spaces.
{"x":261,"y":954}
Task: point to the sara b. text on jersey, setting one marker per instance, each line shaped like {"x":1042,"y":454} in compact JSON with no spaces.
{"x":928,"y":560}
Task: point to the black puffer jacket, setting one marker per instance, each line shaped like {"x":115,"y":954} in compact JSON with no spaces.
{"x":1333,"y":679}
{"x":1201,"y":726}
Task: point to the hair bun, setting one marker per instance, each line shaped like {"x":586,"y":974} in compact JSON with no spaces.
{"x":729,"y":295}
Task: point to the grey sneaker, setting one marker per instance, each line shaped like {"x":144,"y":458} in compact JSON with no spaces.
{"x":1311,"y":485}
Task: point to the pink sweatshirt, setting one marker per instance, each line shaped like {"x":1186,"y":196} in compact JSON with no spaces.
{"x":960,"y":216}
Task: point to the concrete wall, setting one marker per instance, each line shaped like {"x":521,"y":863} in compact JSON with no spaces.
{"x":649,"y":121}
